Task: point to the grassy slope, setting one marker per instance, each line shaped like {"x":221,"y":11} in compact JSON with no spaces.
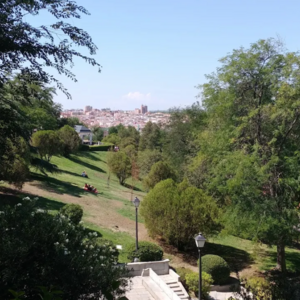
{"x":238,"y":252}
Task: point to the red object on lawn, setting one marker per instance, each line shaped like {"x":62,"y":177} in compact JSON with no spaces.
{"x":86,"y":189}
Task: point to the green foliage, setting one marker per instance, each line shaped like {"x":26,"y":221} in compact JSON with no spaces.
{"x":48,"y":143}
{"x":146,"y":252}
{"x":131,"y":152}
{"x":180,"y":138}
{"x":47,"y":250}
{"x":98,"y":133}
{"x":176,"y":212}
{"x":39,"y":46}
{"x":183,"y":272}
{"x":159,"y":171}
{"x":249,"y":149}
{"x":112,"y":138}
{"x":120,"y":165}
{"x":70,"y":140}
{"x":260,"y":287}
{"x":192,"y":281}
{"x":217,"y":267}
{"x":146,"y":159}
{"x":72,"y":121}
{"x":72,"y":211}
{"x":151,"y":137}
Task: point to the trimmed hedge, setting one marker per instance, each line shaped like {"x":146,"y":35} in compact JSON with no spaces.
{"x":217,"y":267}
{"x":95,"y":147}
{"x":100,"y":147}
{"x":147,"y":252}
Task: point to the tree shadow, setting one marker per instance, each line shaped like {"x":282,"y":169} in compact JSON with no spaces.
{"x":292,"y":260}
{"x":129,"y":186}
{"x":237,"y":259}
{"x":85,"y":164}
{"x":89,"y":155}
{"x":57,"y":186}
{"x":70,"y":173}
{"x":12,"y":197}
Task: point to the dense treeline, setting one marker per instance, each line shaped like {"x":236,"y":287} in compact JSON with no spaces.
{"x":240,"y":148}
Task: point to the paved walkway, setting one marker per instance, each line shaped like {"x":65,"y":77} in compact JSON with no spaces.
{"x":138,"y":291}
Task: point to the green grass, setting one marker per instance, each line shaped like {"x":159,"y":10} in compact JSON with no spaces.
{"x":240,"y":253}
{"x":118,"y":238}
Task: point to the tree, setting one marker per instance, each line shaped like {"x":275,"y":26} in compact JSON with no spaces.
{"x":119,"y":164}
{"x":112,"y":138}
{"x":159,"y":171}
{"x":70,"y":140}
{"x":70,"y":121}
{"x":146,"y":159}
{"x":25,"y":50}
{"x":53,"y":46}
{"x":39,"y":249}
{"x":150,"y":137}
{"x":180,"y":138}
{"x":98,"y":133}
{"x":176,"y":212}
{"x":250,"y":146}
{"x":47,"y":142}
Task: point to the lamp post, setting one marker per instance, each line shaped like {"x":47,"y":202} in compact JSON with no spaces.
{"x":200,"y":241}
{"x":136,"y":203}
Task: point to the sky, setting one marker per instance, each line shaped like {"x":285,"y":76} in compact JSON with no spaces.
{"x":155,"y":52}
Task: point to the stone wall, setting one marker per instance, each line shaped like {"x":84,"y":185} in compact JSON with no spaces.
{"x":159,"y":267}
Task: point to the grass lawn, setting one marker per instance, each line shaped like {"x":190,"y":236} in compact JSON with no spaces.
{"x":112,"y":205}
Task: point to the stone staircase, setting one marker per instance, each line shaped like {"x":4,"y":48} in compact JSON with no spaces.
{"x":172,"y":281}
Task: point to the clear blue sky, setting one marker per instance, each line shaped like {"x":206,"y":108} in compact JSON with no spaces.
{"x":155,"y":52}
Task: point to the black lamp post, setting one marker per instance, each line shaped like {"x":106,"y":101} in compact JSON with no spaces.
{"x":200,"y":241}
{"x":136,"y":203}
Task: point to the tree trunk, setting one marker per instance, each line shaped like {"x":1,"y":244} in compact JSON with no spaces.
{"x":281,"y":257}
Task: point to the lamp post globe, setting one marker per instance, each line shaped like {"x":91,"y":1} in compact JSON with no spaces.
{"x":136,"y":202}
{"x":200,"y":241}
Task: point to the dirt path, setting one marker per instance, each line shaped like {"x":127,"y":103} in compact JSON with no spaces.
{"x":103,"y":213}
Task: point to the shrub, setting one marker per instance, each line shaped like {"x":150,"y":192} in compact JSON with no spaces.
{"x":259,"y":287}
{"x":182,"y":272}
{"x":147,"y":252}
{"x":84,"y":147}
{"x":73,"y":211}
{"x":192,"y":281}
{"x":43,"y":250}
{"x":217,"y":267}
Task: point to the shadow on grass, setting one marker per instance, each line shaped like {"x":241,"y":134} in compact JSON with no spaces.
{"x":57,"y":186}
{"x":292,"y":261}
{"x":237,"y":259}
{"x":89,"y":155}
{"x":12,"y":197}
{"x":129,"y":186}
{"x":70,"y":173}
{"x":76,"y":160}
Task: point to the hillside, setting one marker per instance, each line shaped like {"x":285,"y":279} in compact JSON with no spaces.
{"x":112,"y":214}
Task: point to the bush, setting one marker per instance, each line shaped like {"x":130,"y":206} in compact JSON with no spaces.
{"x":147,"y":252}
{"x":217,"y":267}
{"x":192,"y":281}
{"x":43,"y":250}
{"x":84,"y":147}
{"x":73,"y":211}
{"x":182,"y":272}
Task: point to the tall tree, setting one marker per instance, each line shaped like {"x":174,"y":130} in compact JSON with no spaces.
{"x":251,"y":146}
{"x":150,"y":137}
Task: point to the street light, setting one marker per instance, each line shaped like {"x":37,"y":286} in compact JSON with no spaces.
{"x":200,"y":241}
{"x":136,"y":203}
